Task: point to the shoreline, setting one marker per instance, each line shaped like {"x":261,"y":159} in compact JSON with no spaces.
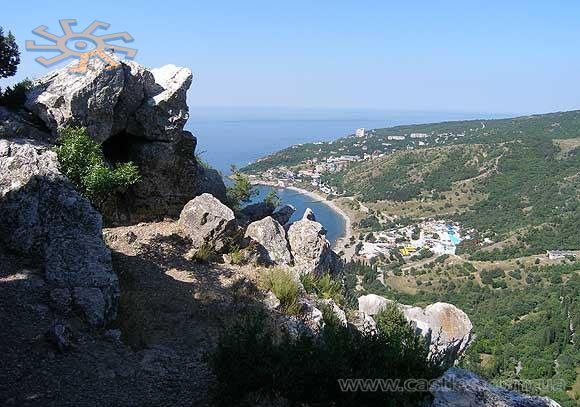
{"x":345,"y":236}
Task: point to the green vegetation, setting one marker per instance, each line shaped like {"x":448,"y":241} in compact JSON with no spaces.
{"x":9,"y":54}
{"x":523,"y":316}
{"x":81,"y":159}
{"x":14,"y":97}
{"x":284,"y":287}
{"x":325,"y":287}
{"x":200,"y":160}
{"x":241,"y":189}
{"x":511,"y":179}
{"x":236,"y":255}
{"x":255,"y":361}
{"x":204,"y":254}
{"x":272,"y":199}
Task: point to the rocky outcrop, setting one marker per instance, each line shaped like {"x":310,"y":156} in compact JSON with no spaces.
{"x":460,"y":388}
{"x":43,"y":217}
{"x":208,"y":223}
{"x":309,"y":215}
{"x":128,"y":98}
{"x":447,"y":327}
{"x":444,"y":324}
{"x":372,"y":304}
{"x":22,"y":126}
{"x":335,"y":309}
{"x":255,"y":212}
{"x":283,"y":214}
{"x":362,"y":322}
{"x":310,"y":248}
{"x":271,"y":237}
{"x":138,"y":114}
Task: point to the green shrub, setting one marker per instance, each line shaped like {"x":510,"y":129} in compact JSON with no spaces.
{"x":14,"y":97}
{"x":284,"y":287}
{"x":325,"y":287}
{"x":201,"y":161}
{"x":81,"y":159}
{"x":255,"y":358}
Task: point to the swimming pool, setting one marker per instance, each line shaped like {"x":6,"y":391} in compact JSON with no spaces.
{"x":453,"y":236}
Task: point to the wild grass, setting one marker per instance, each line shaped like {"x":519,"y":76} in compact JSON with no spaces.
{"x":284,"y":287}
{"x":325,"y":287}
{"x":204,"y":254}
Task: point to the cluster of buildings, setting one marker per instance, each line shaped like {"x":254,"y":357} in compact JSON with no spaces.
{"x":346,"y":151}
{"x":439,"y":237}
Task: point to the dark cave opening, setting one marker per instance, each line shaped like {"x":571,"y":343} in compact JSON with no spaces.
{"x":118,"y":148}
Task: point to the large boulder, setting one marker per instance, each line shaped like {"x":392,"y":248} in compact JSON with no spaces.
{"x":283,"y":214}
{"x":372,"y":304}
{"x":271,"y":237}
{"x":22,"y":126}
{"x":444,"y":323}
{"x":208,"y":223}
{"x":44,"y":218}
{"x":310,"y":248}
{"x":460,"y":388}
{"x":254,"y":212}
{"x":447,"y":327}
{"x":127,"y":98}
{"x":138,"y":115}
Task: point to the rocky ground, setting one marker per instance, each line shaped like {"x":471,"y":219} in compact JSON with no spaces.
{"x":170,"y":312}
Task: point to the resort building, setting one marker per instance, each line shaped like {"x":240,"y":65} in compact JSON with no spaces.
{"x":558,"y":254}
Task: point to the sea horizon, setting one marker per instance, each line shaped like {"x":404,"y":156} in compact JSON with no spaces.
{"x":239,"y":136}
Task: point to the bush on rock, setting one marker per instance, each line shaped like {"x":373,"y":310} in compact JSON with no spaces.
{"x":81,"y":159}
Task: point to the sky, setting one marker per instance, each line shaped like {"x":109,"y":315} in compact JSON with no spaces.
{"x":445,"y":56}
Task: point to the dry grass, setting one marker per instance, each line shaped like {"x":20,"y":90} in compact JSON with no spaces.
{"x":566,"y":146}
{"x":284,"y":287}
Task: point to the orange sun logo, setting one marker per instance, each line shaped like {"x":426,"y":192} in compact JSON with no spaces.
{"x":82,"y":45}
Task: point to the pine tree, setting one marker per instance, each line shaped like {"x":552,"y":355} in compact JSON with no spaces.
{"x":9,"y":54}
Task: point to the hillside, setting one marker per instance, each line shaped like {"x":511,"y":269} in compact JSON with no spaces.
{"x":561,"y":125}
{"x":509,"y":188}
{"x":496,"y":176}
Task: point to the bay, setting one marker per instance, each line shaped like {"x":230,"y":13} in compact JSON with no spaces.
{"x":239,"y":136}
{"x":332,"y":221}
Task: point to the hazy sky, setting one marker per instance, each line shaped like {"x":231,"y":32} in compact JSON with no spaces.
{"x":462,"y":56}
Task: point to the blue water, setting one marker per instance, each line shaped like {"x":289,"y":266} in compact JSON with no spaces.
{"x":452,"y":236}
{"x":241,"y":135}
{"x":223,"y":143}
{"x":332,"y":222}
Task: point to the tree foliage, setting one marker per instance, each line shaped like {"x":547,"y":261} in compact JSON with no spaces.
{"x":241,"y":190}
{"x":14,"y":97}
{"x":9,"y":54}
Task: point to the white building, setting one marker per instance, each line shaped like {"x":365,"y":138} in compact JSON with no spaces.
{"x":419,"y":135}
{"x":360,"y":132}
{"x":558,"y":254}
{"x":398,"y":138}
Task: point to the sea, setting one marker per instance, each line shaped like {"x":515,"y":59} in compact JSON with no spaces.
{"x":239,"y":136}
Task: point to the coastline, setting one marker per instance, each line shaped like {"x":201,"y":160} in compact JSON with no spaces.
{"x":347,"y":232}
